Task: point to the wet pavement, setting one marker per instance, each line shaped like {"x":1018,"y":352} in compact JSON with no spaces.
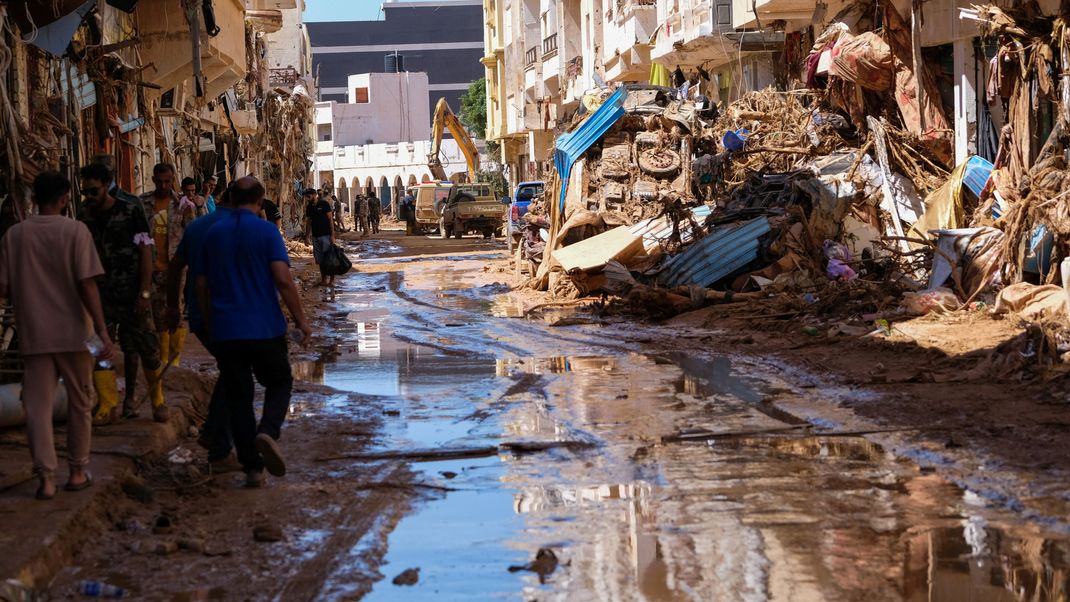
{"x":695,"y":486}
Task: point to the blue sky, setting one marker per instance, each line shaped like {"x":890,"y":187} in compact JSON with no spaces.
{"x":342,"y":10}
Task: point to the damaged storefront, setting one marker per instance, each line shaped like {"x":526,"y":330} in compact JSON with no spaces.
{"x":862,"y":191}
{"x":134,"y":83}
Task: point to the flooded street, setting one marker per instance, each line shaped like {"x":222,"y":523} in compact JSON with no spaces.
{"x":645,"y":473}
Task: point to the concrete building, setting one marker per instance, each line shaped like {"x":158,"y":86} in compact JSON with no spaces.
{"x":378,"y":140}
{"x":443,"y":39}
{"x":541,"y":56}
{"x":379,"y":108}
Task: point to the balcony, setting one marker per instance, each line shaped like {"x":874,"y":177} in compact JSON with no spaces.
{"x":549,"y":46}
{"x":531,"y":57}
{"x":271,"y":4}
{"x":166,"y":44}
{"x":551,"y":63}
{"x":626,"y":47}
{"x":751,"y":13}
{"x":693,"y":31}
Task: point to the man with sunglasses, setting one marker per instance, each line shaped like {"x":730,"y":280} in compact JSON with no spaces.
{"x":121,"y":235}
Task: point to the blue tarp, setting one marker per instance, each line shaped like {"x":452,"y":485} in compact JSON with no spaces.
{"x":570,"y":147}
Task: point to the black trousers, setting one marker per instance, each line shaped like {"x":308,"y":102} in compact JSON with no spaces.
{"x":216,"y":427}
{"x":268,"y":360}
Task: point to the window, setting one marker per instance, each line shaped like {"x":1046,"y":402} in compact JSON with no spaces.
{"x":360,"y":95}
{"x":323,"y":132}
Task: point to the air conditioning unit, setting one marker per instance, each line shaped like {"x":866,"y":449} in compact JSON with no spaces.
{"x":172,"y":101}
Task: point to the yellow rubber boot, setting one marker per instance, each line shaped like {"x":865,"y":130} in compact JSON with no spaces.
{"x":107,"y":396}
{"x":159,"y":404}
{"x":177,"y":342}
{"x":165,"y":346}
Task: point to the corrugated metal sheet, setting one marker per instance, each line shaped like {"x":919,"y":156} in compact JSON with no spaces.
{"x":655,"y":231}
{"x":571,"y":146}
{"x":723,"y":251}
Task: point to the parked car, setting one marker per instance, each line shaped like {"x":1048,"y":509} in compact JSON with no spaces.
{"x":525,"y":193}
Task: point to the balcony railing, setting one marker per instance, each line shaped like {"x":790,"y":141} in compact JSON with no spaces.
{"x":531,"y":57}
{"x":549,"y":46}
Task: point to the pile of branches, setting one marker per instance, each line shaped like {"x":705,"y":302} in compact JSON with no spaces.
{"x":781,"y":133}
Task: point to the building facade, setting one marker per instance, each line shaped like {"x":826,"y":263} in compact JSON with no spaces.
{"x":542,"y":56}
{"x":443,"y":39}
{"x":378,"y":140}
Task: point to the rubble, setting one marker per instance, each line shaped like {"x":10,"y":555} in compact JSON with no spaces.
{"x":842,"y":185}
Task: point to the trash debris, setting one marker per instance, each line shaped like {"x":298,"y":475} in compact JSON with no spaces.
{"x":13,"y":590}
{"x":99,"y":589}
{"x":267,"y":533}
{"x":180,"y":455}
{"x":544,"y":565}
{"x":407,"y":577}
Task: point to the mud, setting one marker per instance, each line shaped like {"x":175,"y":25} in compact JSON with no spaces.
{"x":778,"y":498}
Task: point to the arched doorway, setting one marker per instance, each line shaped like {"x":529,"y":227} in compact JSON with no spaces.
{"x":425,"y":179}
{"x":384,"y":191}
{"x":342,"y":192}
{"x":369,"y":185}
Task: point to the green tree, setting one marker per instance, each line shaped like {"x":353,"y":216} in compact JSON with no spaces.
{"x":473,"y":113}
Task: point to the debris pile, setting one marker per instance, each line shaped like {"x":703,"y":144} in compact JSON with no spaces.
{"x":842,"y":189}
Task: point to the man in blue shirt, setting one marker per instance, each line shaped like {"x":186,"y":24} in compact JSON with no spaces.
{"x":209,"y":189}
{"x":215,"y":433}
{"x":241,"y":270}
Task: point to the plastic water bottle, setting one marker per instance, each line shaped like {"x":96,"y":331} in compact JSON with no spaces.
{"x":96,"y":347}
{"x":99,"y":589}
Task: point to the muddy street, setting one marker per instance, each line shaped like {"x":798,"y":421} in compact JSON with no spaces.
{"x":444,"y":447}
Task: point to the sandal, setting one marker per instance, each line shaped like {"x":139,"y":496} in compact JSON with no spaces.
{"x":80,"y":486}
{"x":42,"y":496}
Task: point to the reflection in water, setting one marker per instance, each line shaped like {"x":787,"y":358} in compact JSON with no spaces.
{"x":777,"y":517}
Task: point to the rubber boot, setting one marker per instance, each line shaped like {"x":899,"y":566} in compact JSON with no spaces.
{"x":178,"y":340}
{"x":159,"y":405}
{"x":165,"y":346}
{"x":107,"y":387}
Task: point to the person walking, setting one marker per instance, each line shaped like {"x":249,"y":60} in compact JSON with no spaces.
{"x":361,"y":210}
{"x":121,"y":235}
{"x":339,"y":217}
{"x":48,"y":270}
{"x":375,"y":211}
{"x":319,"y":230}
{"x":215,"y":432}
{"x":189,"y":195}
{"x":242,"y":270}
{"x":408,"y":213}
{"x":209,"y":189}
{"x":169,"y":215}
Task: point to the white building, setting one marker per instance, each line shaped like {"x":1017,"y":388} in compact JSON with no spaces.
{"x":378,"y":141}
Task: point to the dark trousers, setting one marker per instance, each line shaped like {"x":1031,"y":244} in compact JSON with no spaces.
{"x":269,"y":361}
{"x":216,"y":428}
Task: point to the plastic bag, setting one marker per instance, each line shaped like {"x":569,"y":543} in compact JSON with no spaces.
{"x":335,"y":262}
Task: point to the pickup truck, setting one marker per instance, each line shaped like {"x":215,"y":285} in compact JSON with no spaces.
{"x":456,"y":209}
{"x":525,"y":193}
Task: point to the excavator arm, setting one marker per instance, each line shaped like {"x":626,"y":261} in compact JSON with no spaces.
{"x":446,"y":120}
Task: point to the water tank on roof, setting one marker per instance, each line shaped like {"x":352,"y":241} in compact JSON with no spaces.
{"x":394,"y":62}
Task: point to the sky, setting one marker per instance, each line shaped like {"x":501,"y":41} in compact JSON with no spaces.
{"x":342,"y":10}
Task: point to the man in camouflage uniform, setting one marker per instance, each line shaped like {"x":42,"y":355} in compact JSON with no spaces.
{"x":168,"y":216}
{"x":121,"y":235}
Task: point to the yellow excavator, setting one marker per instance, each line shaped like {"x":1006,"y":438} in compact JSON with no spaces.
{"x":455,"y":209}
{"x":446,"y":120}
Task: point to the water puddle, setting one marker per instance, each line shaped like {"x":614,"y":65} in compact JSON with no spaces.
{"x":761,"y":513}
